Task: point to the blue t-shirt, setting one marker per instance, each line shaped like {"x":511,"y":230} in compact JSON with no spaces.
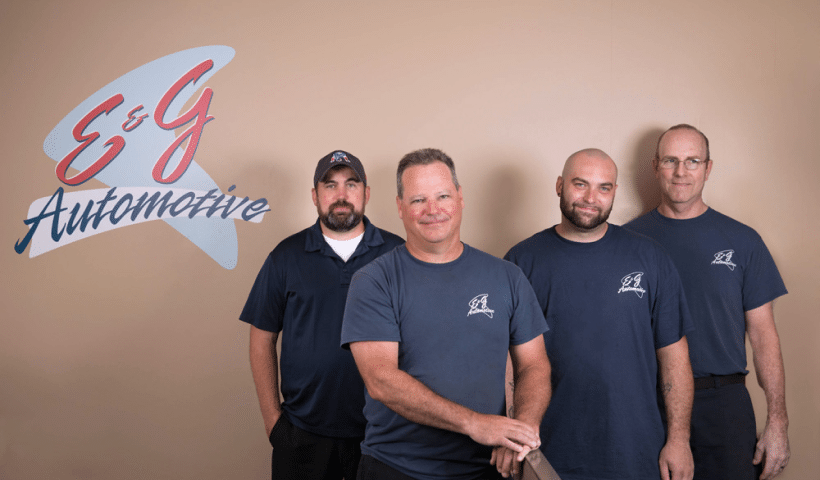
{"x":301,"y":291}
{"x":610,"y":305}
{"x":726,"y":270}
{"x":454,"y":323}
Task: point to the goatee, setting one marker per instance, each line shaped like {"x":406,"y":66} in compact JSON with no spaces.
{"x":341,"y":222}
{"x":581,"y":221}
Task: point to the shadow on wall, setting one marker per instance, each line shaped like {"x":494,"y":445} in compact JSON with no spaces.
{"x":646,"y":186}
{"x":501,"y":227}
{"x":382,"y":209}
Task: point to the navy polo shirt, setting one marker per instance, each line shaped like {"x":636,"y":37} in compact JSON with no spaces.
{"x":301,"y":292}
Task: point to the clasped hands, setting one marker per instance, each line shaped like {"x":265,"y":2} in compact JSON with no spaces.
{"x":512,"y":440}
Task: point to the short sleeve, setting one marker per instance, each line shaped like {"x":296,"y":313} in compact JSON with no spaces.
{"x":762,"y":282}
{"x":670,"y":311}
{"x":264,"y":308}
{"x":370,"y":313}
{"x":528,"y":318}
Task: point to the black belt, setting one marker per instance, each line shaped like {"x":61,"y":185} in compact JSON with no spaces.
{"x":716,"y":381}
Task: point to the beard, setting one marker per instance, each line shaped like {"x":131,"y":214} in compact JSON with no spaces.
{"x":341,"y":222}
{"x":580,"y":220}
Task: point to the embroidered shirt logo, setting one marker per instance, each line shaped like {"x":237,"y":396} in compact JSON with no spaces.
{"x":724,"y":258}
{"x":479,"y":305}
{"x":632,"y":283}
{"x":339,"y":157}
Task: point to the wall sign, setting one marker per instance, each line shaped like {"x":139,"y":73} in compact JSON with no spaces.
{"x":132,"y":136}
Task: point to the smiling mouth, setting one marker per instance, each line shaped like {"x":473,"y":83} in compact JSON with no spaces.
{"x":587,"y":209}
{"x":434,"y":221}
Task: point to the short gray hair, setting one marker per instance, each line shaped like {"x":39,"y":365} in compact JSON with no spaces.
{"x":424,"y":156}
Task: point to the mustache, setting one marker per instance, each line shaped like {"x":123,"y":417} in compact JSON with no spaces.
{"x":584,"y":205}
{"x":341,"y":203}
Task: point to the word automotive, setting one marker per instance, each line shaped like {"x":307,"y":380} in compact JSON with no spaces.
{"x":125,"y":136}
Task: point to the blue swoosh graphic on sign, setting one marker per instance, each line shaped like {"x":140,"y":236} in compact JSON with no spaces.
{"x":146,"y":143}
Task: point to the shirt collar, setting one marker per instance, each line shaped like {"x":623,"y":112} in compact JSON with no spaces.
{"x":315,"y":241}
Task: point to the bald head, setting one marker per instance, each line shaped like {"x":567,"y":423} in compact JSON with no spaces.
{"x":587,"y":190}
{"x":591,"y":158}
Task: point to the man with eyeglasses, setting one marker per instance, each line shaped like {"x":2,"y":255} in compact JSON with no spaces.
{"x":731,"y":281}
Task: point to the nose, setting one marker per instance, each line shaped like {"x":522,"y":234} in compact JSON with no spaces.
{"x":589,"y":196}
{"x":341,"y":194}
{"x":431,"y":208}
{"x":680,"y":168}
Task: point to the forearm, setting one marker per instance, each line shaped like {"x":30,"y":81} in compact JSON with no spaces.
{"x":773,"y":444}
{"x":772,"y":379}
{"x":532,"y":393}
{"x":408,"y":397}
{"x":265,"y":371}
{"x":677,"y":387}
{"x":413,"y":400}
{"x":768,"y":362}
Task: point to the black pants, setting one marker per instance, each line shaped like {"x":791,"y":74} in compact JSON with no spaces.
{"x":301,"y":455}
{"x":723,"y":435}
{"x":372,"y":469}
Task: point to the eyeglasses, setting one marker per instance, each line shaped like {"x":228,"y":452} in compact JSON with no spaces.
{"x":689,"y":163}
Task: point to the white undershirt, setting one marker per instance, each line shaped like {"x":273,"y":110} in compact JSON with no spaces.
{"x":344,"y":248}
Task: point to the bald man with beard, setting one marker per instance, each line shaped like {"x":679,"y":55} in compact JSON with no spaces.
{"x":617,"y":315}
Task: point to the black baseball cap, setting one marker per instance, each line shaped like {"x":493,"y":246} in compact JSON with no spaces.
{"x":338,"y":157}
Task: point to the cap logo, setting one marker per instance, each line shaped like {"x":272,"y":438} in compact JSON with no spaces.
{"x":338,"y":157}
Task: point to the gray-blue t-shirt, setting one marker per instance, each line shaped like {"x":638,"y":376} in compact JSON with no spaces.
{"x":454,"y":323}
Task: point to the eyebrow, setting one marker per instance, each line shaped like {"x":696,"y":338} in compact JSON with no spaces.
{"x":349,"y":179}
{"x":434,"y":194}
{"x":605,"y":184}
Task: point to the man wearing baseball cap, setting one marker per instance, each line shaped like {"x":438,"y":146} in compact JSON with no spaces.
{"x":300,"y":293}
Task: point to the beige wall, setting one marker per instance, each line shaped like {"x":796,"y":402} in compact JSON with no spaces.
{"x":121,"y":355}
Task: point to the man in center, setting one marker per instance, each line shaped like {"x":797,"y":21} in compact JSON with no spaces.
{"x":430,"y":325}
{"x":617,"y":315}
